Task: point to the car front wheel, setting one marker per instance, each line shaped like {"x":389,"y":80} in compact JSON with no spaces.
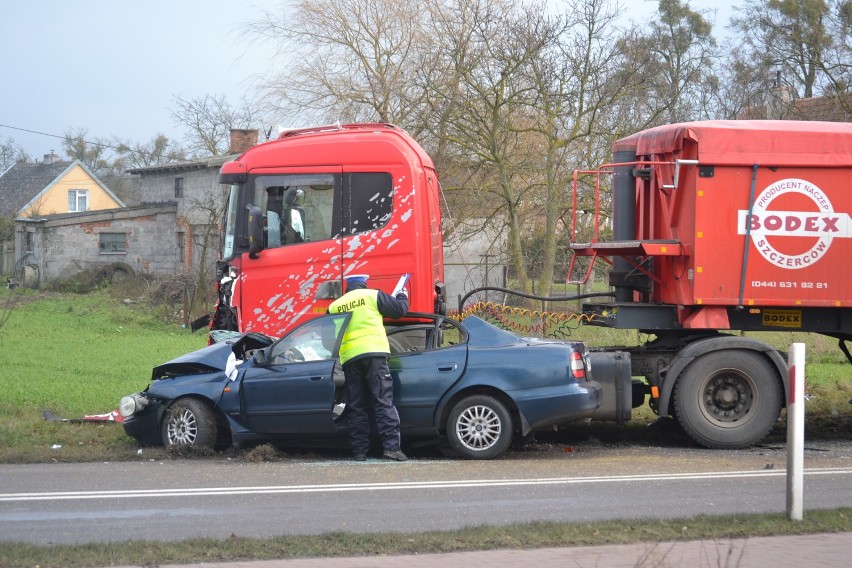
{"x":480,"y":428}
{"x":189,"y":423}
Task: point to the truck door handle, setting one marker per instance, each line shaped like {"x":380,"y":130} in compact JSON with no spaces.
{"x":447,"y":367}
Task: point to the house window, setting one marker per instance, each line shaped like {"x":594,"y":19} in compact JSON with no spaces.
{"x":180,"y":245}
{"x":78,"y":200}
{"x":111,"y":243}
{"x":178,"y":187}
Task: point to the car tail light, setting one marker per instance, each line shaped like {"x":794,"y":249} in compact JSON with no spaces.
{"x":578,"y":366}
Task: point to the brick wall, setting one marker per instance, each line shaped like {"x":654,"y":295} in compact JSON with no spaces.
{"x":65,"y":244}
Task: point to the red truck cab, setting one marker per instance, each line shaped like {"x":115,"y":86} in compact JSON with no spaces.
{"x":308,"y":209}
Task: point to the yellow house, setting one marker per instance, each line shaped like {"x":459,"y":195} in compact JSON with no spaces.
{"x":50,"y":187}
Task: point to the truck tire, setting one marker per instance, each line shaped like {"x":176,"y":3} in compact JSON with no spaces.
{"x":728,"y":399}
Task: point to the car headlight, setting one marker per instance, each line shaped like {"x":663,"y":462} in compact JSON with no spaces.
{"x":131,"y":404}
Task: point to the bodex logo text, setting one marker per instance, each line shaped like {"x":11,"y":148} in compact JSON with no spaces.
{"x":767,"y":223}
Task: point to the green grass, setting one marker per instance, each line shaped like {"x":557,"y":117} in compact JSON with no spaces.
{"x":521,"y":536}
{"x":75,"y":355}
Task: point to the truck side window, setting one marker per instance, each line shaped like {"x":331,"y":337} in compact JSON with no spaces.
{"x":370,"y":201}
{"x":296,"y":208}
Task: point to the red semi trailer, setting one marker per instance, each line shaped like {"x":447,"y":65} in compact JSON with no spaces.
{"x":722,"y":226}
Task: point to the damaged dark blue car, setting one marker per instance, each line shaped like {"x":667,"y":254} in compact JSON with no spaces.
{"x":469,"y":383}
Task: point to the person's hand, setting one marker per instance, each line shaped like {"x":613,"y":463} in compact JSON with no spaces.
{"x":403,"y":292}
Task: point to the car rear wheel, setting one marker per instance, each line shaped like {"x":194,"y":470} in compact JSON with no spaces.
{"x":189,"y":423}
{"x":480,"y":428}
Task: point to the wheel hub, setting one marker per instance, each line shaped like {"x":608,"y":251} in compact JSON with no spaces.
{"x":183,"y":428}
{"x":478,"y":427}
{"x":727,"y":398}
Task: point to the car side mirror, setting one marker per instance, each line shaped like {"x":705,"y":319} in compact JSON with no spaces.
{"x":255,"y":230}
{"x":329,"y":290}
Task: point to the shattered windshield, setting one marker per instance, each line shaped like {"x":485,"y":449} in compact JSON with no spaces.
{"x":313,"y":341}
{"x":230,"y":222}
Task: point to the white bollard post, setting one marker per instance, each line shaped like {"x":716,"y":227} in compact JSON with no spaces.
{"x":795,"y":429}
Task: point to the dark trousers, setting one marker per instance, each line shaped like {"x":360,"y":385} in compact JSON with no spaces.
{"x":369,"y":386}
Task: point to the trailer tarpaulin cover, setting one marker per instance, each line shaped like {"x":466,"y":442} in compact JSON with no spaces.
{"x":747,"y":142}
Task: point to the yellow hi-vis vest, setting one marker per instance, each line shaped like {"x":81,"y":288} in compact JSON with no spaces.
{"x":366,"y":330}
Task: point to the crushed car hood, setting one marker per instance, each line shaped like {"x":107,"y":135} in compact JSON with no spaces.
{"x":211,"y":358}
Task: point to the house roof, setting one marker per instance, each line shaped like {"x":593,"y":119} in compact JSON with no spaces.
{"x":22,"y":184}
{"x":835,"y":109}
{"x":98,"y":215}
{"x":198,"y":164}
{"x":827,"y":108}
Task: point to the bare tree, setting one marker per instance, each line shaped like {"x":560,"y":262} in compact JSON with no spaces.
{"x":159,"y":150}
{"x":443,"y":58}
{"x":503,"y":94}
{"x":207,"y":212}
{"x":740,"y":86}
{"x":94,"y":153}
{"x":789,"y":37}
{"x":493,"y":128}
{"x":208,"y":121}
{"x":128,"y":154}
{"x":837,"y":58}
{"x":675,"y":55}
{"x":347,"y":60}
{"x":534,"y":100}
{"x":578,"y":78}
{"x":11,"y":153}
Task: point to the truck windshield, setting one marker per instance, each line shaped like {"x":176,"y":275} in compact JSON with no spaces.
{"x":230,"y":222}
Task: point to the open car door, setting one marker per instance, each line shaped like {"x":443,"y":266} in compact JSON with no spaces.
{"x":290,"y":388}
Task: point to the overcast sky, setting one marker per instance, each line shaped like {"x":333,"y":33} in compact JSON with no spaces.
{"x":112,"y":67}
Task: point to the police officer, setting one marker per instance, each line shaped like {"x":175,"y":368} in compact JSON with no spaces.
{"x":364,"y":354}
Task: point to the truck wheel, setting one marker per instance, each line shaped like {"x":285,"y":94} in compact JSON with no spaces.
{"x":480,"y":428}
{"x":728,"y":399}
{"x":189,"y":423}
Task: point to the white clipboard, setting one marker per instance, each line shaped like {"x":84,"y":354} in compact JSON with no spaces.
{"x":403,"y":280}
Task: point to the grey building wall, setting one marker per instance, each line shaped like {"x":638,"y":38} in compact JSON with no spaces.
{"x":62,"y":245}
{"x":200,"y":187}
{"x":474,"y":257}
{"x":200,"y":199}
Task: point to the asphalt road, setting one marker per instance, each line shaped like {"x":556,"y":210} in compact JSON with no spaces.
{"x":179,"y":499}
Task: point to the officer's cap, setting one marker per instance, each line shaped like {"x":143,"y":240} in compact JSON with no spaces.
{"x":356,"y":279}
